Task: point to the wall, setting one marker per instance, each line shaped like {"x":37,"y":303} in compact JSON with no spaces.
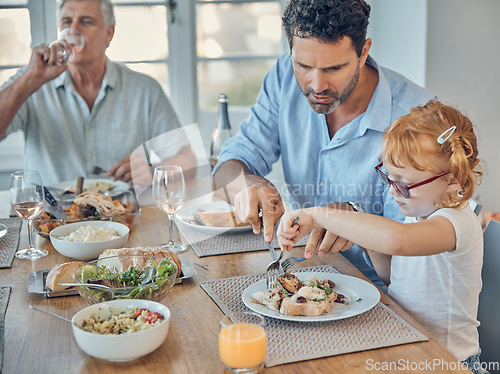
{"x":398,"y":29}
{"x":462,"y":69}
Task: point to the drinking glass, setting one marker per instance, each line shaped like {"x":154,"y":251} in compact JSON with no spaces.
{"x":26,"y":199}
{"x":169,"y":191}
{"x":69,"y":43}
{"x":242,"y":342}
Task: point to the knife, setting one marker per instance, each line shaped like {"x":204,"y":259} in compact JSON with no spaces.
{"x":52,"y":206}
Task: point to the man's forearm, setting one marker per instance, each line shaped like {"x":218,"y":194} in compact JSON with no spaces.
{"x":11,"y":99}
{"x":230,"y":178}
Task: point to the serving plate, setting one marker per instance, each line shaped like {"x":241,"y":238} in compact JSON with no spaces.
{"x":131,"y":218}
{"x":185,"y":217}
{"x":58,"y":189}
{"x":360,"y":295}
{"x":36,"y":281}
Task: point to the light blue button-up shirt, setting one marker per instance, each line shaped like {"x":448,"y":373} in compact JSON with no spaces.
{"x":64,"y":139}
{"x":319,"y":170}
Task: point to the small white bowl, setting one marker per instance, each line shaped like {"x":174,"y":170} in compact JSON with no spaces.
{"x":123,"y":347}
{"x":87,"y":250}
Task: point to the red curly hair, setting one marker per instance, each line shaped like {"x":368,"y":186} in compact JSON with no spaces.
{"x":412,"y":141}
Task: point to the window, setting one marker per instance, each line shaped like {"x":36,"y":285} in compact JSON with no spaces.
{"x":237,"y":43}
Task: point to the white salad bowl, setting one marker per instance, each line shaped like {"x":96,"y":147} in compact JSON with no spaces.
{"x":87,"y":250}
{"x":122,"y":347}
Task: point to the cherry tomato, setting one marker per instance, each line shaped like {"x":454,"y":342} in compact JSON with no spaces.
{"x":138,"y":312}
{"x":152,"y":317}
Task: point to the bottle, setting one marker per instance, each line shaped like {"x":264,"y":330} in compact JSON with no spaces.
{"x":222,"y":131}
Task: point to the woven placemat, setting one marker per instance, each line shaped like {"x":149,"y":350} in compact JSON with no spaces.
{"x":209,"y":244}
{"x":9,"y":242}
{"x":290,"y":341}
{"x":4,"y":300}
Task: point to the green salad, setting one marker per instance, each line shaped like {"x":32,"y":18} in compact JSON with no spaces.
{"x":130,"y":284}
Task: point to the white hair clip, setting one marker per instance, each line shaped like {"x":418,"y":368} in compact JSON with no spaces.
{"x":446,"y":134}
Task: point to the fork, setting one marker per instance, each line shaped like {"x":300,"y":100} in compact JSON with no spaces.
{"x":272,"y":273}
{"x":275,"y":269}
{"x":98,"y":170}
{"x":290,"y":261}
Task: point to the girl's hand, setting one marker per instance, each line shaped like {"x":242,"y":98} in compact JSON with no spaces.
{"x":293,"y":226}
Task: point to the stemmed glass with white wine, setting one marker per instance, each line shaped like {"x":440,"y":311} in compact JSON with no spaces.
{"x":26,"y":199}
{"x":169,"y":192}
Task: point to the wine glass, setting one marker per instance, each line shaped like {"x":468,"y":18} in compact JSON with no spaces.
{"x":26,"y":199}
{"x":69,"y":43}
{"x":169,"y":191}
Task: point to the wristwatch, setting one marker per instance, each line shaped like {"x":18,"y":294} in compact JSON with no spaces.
{"x":356,"y":207}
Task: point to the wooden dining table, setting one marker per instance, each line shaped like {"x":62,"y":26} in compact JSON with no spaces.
{"x":36,"y":342}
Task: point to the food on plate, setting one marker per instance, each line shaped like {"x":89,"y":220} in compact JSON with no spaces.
{"x":290,"y":282}
{"x":100,"y":186}
{"x":271,"y":299}
{"x":219,"y":218}
{"x":294,"y":297}
{"x":87,"y":205}
{"x":62,"y":273}
{"x":123,"y":322}
{"x":91,"y":233}
{"x":150,"y":279}
{"x":124,"y":262}
{"x":96,"y":204}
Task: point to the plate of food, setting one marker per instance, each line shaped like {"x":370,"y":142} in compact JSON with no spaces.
{"x":312,"y":297}
{"x":65,"y":191}
{"x":46,"y":282}
{"x":216,"y":217}
{"x":93,"y":205}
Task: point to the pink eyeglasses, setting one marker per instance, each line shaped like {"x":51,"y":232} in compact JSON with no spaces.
{"x":402,"y":188}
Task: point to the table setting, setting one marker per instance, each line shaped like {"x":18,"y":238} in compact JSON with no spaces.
{"x":220,"y":275}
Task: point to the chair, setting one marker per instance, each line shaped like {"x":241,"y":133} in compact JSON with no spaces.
{"x":489,"y":299}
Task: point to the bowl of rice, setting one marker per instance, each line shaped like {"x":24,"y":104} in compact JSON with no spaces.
{"x":86,"y":240}
{"x":121,"y":330}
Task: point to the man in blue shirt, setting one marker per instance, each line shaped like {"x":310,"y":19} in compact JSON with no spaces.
{"x":322,"y":108}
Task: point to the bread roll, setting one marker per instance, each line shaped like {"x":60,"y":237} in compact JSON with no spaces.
{"x":138,"y":262}
{"x":220,"y":219}
{"x":62,"y":273}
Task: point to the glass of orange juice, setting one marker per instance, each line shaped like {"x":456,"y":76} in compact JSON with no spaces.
{"x":242,"y":342}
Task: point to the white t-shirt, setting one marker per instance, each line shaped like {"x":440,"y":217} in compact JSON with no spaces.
{"x":442,"y":291}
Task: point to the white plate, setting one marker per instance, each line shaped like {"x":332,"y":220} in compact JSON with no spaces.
{"x":363,"y":296}
{"x":119,"y":188}
{"x":185,"y":216}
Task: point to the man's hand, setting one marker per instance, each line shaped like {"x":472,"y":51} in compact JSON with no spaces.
{"x":43,"y":66}
{"x":325,"y":241}
{"x":259,"y":197}
{"x":121,"y":170}
{"x":39,"y":71}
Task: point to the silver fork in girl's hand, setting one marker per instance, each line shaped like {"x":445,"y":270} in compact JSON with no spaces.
{"x":290,"y":261}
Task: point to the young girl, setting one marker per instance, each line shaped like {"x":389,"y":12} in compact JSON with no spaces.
{"x":431,"y":160}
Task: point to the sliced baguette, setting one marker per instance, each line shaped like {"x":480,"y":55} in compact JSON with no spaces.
{"x":137,"y":262}
{"x":62,"y":273}
{"x":309,"y":308}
